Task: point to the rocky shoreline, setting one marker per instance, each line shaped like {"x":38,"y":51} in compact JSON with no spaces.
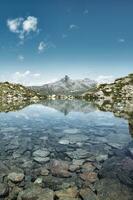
{"x":120,"y":90}
{"x":10,"y":92}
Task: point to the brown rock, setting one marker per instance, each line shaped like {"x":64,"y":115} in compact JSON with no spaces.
{"x":71,"y":192}
{"x":16,"y":177}
{"x":44,"y":172}
{"x":60,"y":168}
{"x":88,"y":167}
{"x":89,"y":176}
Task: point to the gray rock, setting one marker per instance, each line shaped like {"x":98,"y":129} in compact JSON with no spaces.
{"x":36,"y":193}
{"x":122,"y":169}
{"x":68,"y":193}
{"x":44,"y":171}
{"x":73,"y":139}
{"x":112,"y":189}
{"x":41,"y":153}
{"x":60,"y":168}
{"x":16,"y":177}
{"x":41,"y":159}
{"x":88,"y":194}
{"x":4,"y":190}
{"x":88,"y":167}
{"x":78,"y":154}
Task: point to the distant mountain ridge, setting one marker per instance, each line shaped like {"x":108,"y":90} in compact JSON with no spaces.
{"x":66,"y":86}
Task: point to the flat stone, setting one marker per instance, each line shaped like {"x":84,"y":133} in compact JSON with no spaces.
{"x":71,"y":192}
{"x":74,"y":139}
{"x":64,"y":141}
{"x":78,"y":162}
{"x":41,"y":159}
{"x":102,"y":157}
{"x":60,"y":168}
{"x":16,"y":177}
{"x":43,"y":138}
{"x":41,"y":153}
{"x":71,"y":131}
{"x":89,"y":176}
{"x":44,"y":172}
{"x":78,"y":154}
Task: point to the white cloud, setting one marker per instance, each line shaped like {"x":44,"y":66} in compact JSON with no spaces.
{"x":25,"y":78}
{"x":73,"y":27}
{"x":21,"y":58}
{"x":36,"y":75}
{"x":105,"y":79}
{"x":121,"y":40}
{"x":23,"y":27}
{"x":42,"y":47}
{"x":14,"y":24}
{"x":30,"y":24}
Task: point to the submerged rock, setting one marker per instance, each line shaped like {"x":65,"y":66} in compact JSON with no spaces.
{"x":112,"y":189}
{"x":89,"y":176}
{"x":73,"y":139}
{"x":60,"y":168}
{"x":71,"y":131}
{"x":88,"y":167}
{"x":38,"y":181}
{"x":14,"y":193}
{"x":78,"y":154}
{"x":41,"y":155}
{"x":71,"y":192}
{"x":4,"y":190}
{"x":41,"y":159}
{"x":122,"y":169}
{"x":44,"y":171}
{"x":36,"y":193}
{"x":16,"y":177}
{"x":88,"y":194}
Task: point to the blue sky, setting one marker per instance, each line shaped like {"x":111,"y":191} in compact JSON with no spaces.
{"x":43,"y":40}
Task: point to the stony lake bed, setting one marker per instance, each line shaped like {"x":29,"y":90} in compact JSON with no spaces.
{"x":66,"y":150}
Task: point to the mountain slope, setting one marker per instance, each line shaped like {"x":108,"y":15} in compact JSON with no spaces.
{"x":16,"y":92}
{"x":66,"y":86}
{"x":122,"y":88}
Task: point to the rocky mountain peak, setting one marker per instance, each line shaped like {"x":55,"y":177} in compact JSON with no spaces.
{"x":66,"y":79}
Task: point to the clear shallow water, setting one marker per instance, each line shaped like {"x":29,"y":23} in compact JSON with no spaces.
{"x":65,"y":131}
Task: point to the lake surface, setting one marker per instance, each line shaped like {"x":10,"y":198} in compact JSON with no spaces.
{"x":67,"y":144}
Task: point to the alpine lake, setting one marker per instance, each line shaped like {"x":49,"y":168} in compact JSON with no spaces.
{"x":66,"y":150}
